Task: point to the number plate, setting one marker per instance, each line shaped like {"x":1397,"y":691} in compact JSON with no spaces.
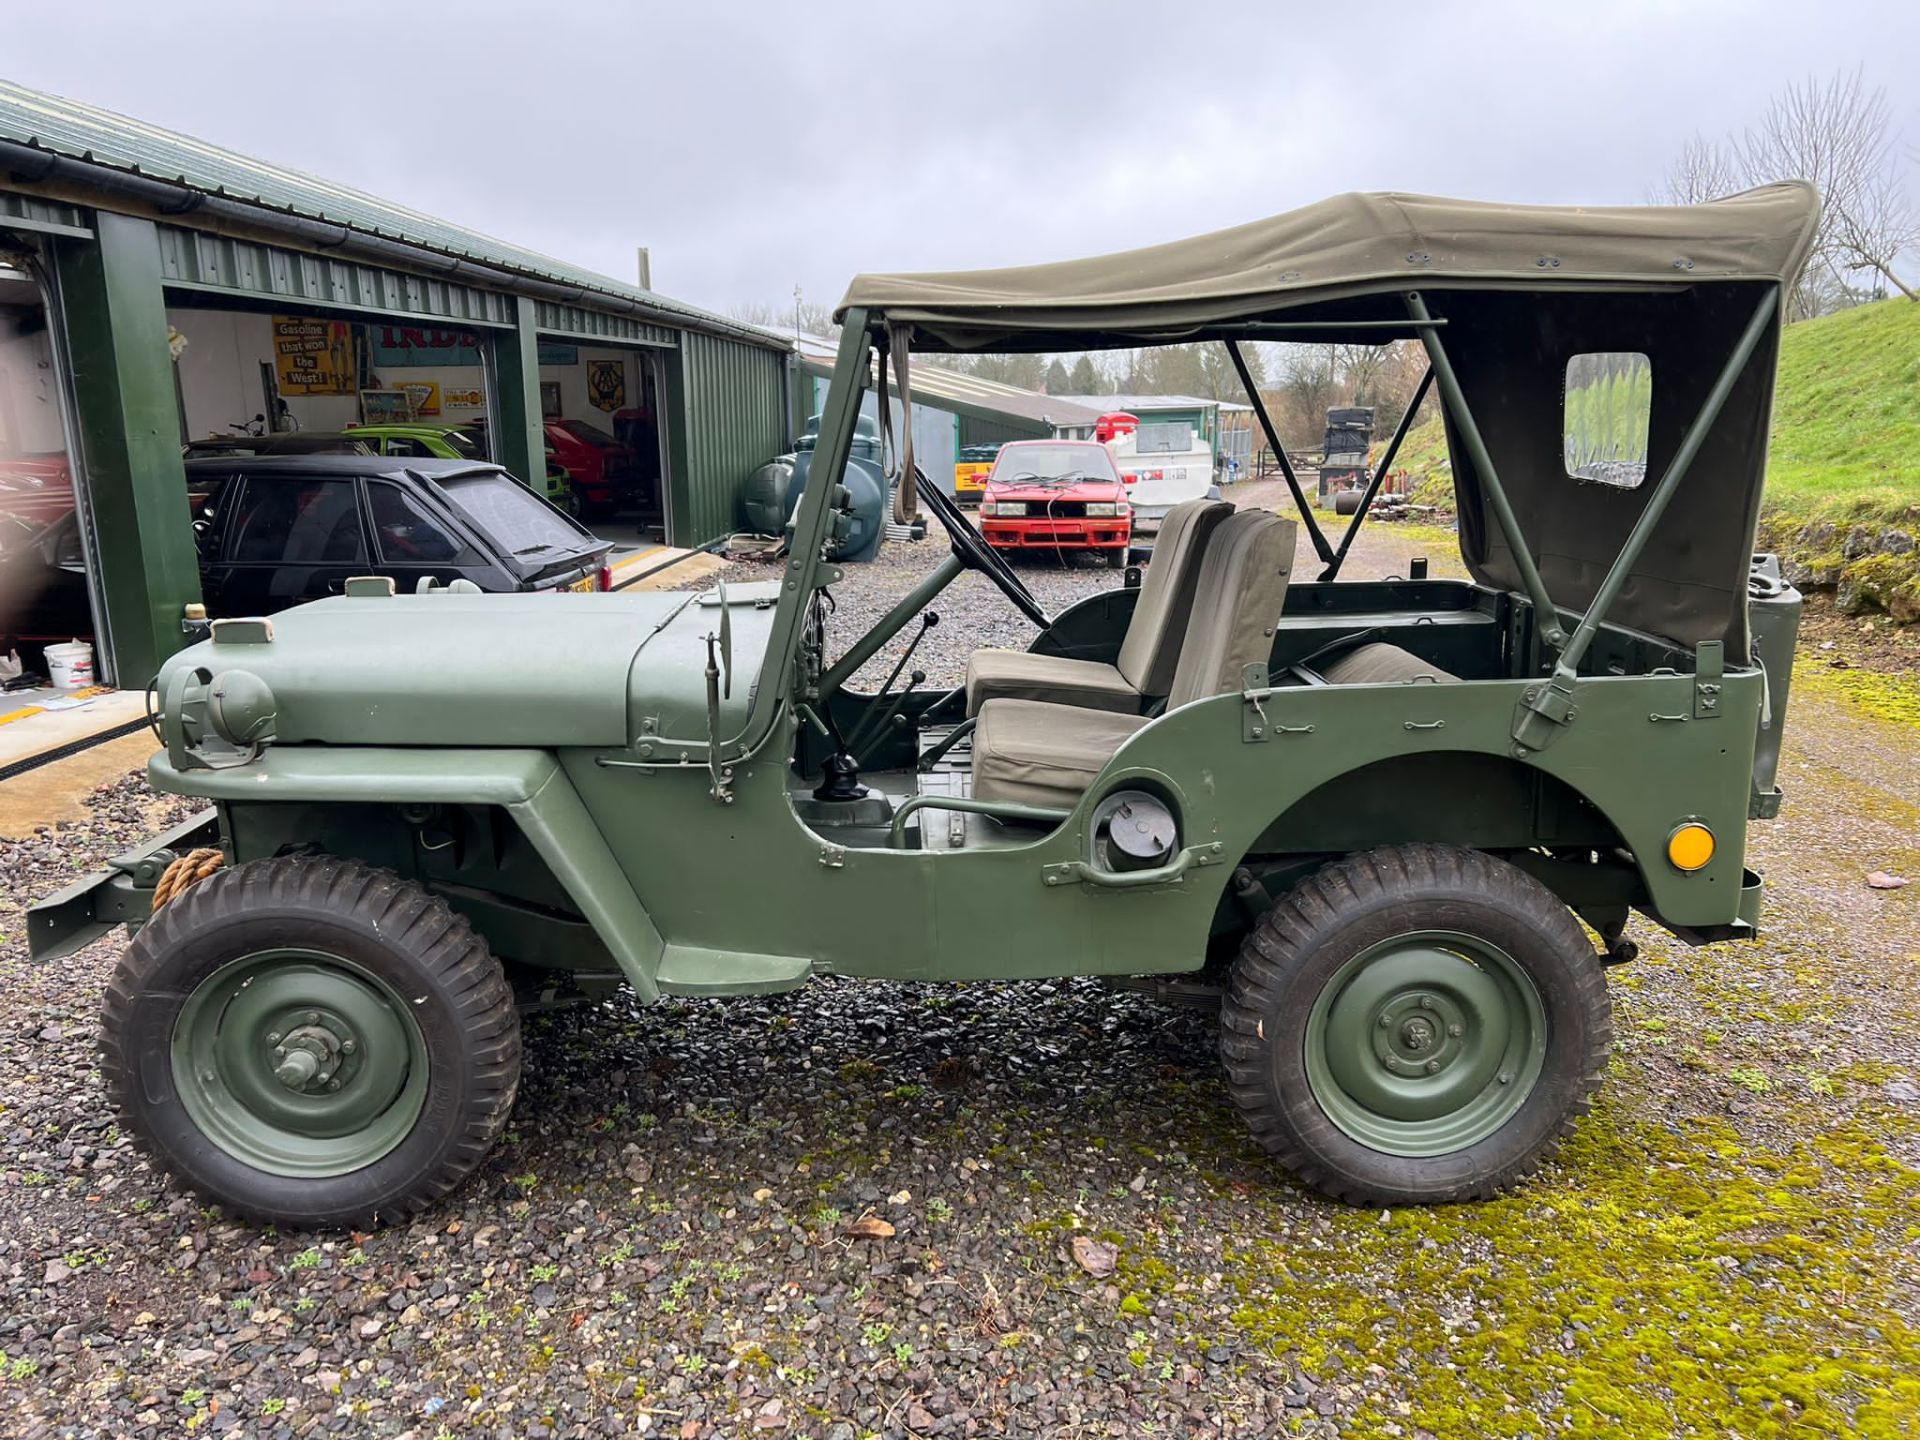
{"x":586,"y":585}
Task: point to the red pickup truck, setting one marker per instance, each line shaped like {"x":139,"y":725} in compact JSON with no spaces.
{"x":1057,"y":495}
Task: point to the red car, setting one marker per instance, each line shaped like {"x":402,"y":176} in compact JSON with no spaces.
{"x":605,"y":472}
{"x":1057,"y":495}
{"x":35,"y":488}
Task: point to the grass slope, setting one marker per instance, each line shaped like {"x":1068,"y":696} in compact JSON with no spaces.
{"x":1846,"y":417}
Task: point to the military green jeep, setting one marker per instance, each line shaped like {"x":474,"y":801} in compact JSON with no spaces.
{"x":1393,"y":829}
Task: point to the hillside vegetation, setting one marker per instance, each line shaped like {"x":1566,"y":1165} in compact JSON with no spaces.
{"x":1842,"y":501}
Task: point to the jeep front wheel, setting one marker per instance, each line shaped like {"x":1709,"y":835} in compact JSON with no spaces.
{"x":311,"y":1042}
{"x":1415,"y":1024}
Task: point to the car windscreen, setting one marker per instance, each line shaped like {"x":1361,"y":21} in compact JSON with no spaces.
{"x":1052,"y":464}
{"x":513,"y":517}
{"x":581,"y":430}
{"x":464,"y":445}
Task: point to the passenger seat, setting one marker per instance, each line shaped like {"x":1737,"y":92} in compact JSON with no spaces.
{"x":1028,"y":752}
{"x":1148,"y":654}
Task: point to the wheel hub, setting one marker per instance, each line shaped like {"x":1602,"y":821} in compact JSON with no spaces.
{"x":311,"y":1056}
{"x":299,"y":1062}
{"x":1413,"y":1046}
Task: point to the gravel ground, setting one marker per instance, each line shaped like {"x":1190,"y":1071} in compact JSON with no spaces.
{"x":667,"y":1241}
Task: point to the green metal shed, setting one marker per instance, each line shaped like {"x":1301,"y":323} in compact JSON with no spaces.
{"x":116,"y":218}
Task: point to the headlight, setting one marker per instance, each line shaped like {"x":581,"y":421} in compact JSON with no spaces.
{"x":1004,"y":508}
{"x":989,"y":508}
{"x":1102,"y":510}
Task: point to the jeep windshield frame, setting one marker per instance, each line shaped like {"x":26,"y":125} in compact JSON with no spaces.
{"x":1499,"y":297}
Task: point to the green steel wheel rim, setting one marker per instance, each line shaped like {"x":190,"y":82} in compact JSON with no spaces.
{"x":300,"y":1063}
{"x":1426,"y":1043}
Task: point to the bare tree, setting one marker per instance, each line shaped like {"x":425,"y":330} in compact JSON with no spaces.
{"x":1841,"y":136}
{"x":1878,"y":228}
{"x":1703,"y":170}
{"x":797,"y":314}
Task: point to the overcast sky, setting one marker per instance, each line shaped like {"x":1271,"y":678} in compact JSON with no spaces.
{"x":756,"y":146}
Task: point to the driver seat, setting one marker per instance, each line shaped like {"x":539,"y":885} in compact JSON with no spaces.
{"x":1147,"y":655}
{"x":1026,"y":752}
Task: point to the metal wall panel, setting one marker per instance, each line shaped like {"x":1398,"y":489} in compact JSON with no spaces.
{"x":576,"y":322}
{"x":935,"y":433}
{"x":729,"y":417}
{"x":198,"y":260}
{"x":48,"y":217}
{"x":975,"y":431}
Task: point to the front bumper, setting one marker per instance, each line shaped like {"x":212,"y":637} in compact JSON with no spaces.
{"x":122,"y":894}
{"x":1075,"y":534}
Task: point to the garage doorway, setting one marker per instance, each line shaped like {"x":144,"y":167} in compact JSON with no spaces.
{"x":604,"y":410}
{"x":46,"y":593}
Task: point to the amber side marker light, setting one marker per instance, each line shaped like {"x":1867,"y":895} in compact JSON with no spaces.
{"x":1690,"y":846}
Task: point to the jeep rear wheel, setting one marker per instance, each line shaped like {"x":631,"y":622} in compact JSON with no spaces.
{"x":308,"y":1041}
{"x":1415,"y":1024}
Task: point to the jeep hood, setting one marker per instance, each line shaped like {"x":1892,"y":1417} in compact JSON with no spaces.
{"x":489,"y":670}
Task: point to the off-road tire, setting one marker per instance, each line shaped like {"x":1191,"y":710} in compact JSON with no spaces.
{"x":411,"y":941}
{"x":1336,"y":914}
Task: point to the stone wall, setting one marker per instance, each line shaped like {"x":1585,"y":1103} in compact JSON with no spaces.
{"x":1867,"y":567}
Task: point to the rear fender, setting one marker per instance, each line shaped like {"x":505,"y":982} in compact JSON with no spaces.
{"x":528,"y":784}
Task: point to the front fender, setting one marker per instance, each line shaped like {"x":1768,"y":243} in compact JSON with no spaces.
{"x":529,"y":785}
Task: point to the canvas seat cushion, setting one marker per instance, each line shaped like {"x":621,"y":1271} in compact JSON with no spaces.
{"x":1383,"y":664}
{"x":1023,"y":675}
{"x":1030,"y":753}
{"x":1026,"y":752}
{"x":1148,"y":654}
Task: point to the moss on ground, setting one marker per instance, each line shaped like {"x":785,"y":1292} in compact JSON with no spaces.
{"x":1891,"y":697}
{"x":1444,"y":538}
{"x":1662,"y":1281}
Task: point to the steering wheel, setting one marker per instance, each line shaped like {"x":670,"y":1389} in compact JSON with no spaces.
{"x":971,"y":550}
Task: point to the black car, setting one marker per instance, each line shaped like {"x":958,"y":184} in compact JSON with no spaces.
{"x":281,"y":442}
{"x":274,"y":531}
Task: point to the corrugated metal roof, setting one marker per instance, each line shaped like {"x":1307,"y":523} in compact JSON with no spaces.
{"x":956,"y":386}
{"x":88,"y":133}
{"x":1154,"y":402}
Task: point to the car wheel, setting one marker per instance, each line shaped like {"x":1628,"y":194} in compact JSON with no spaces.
{"x":311,"y":1042}
{"x":1116,"y":557}
{"x":1415,"y":1024}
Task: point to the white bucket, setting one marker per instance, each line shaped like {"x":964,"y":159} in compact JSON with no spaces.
{"x":70,"y":666}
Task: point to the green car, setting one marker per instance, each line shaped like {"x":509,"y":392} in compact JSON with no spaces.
{"x":1377,"y":824}
{"x":456,"y":442}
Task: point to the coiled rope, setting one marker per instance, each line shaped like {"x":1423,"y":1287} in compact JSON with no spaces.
{"x":186,"y":872}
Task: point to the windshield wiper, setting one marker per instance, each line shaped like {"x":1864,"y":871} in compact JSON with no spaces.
{"x":1050,"y":482}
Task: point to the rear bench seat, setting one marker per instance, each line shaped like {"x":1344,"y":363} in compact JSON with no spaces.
{"x":1383,"y":664}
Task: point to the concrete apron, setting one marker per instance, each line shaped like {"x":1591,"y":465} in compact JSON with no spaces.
{"x":58,"y":790}
{"x":699,"y":567}
{"x":28,"y":729}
